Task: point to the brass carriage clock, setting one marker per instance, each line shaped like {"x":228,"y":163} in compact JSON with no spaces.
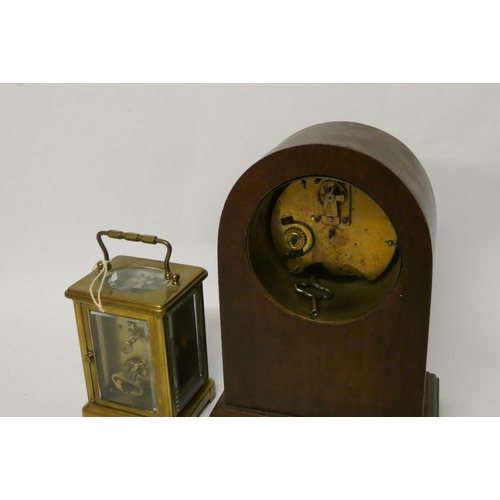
{"x":142,"y":335}
{"x":325,"y":270}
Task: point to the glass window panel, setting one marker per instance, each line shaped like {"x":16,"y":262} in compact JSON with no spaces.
{"x":123,"y":358}
{"x":137,"y":279}
{"x":187,"y":347}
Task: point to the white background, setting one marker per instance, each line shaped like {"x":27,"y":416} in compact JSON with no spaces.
{"x":76,"y":159}
{"x":161,"y":159}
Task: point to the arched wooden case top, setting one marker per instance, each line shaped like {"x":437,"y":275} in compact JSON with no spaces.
{"x":343,"y":212}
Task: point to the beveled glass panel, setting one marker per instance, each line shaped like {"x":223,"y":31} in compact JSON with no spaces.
{"x":186,"y":337}
{"x":123,"y":358}
{"x":137,"y":279}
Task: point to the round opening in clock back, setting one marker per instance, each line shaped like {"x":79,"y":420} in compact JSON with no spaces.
{"x":324,"y":249}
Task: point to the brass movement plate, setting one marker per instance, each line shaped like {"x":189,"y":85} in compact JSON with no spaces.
{"x":330,"y":222}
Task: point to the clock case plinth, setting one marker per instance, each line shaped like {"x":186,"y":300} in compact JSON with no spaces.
{"x":277,"y":363}
{"x":430,"y":409}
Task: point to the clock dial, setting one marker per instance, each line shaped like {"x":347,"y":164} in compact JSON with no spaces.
{"x":324,"y":249}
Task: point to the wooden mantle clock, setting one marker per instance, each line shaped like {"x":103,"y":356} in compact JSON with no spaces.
{"x":325,"y":274}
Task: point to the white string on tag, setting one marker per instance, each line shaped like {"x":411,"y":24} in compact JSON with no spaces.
{"x":102,"y":273}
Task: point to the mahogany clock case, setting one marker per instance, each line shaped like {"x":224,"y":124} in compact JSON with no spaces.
{"x":366,"y":362}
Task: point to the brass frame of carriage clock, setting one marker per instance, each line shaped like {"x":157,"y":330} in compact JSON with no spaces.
{"x":152,"y":307}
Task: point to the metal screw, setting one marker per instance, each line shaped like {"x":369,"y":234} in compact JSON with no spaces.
{"x":293,"y":240}
{"x":88,"y":357}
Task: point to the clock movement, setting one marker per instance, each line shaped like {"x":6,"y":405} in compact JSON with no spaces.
{"x":325,"y":274}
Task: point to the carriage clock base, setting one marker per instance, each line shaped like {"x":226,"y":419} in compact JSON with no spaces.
{"x":196,"y":405}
